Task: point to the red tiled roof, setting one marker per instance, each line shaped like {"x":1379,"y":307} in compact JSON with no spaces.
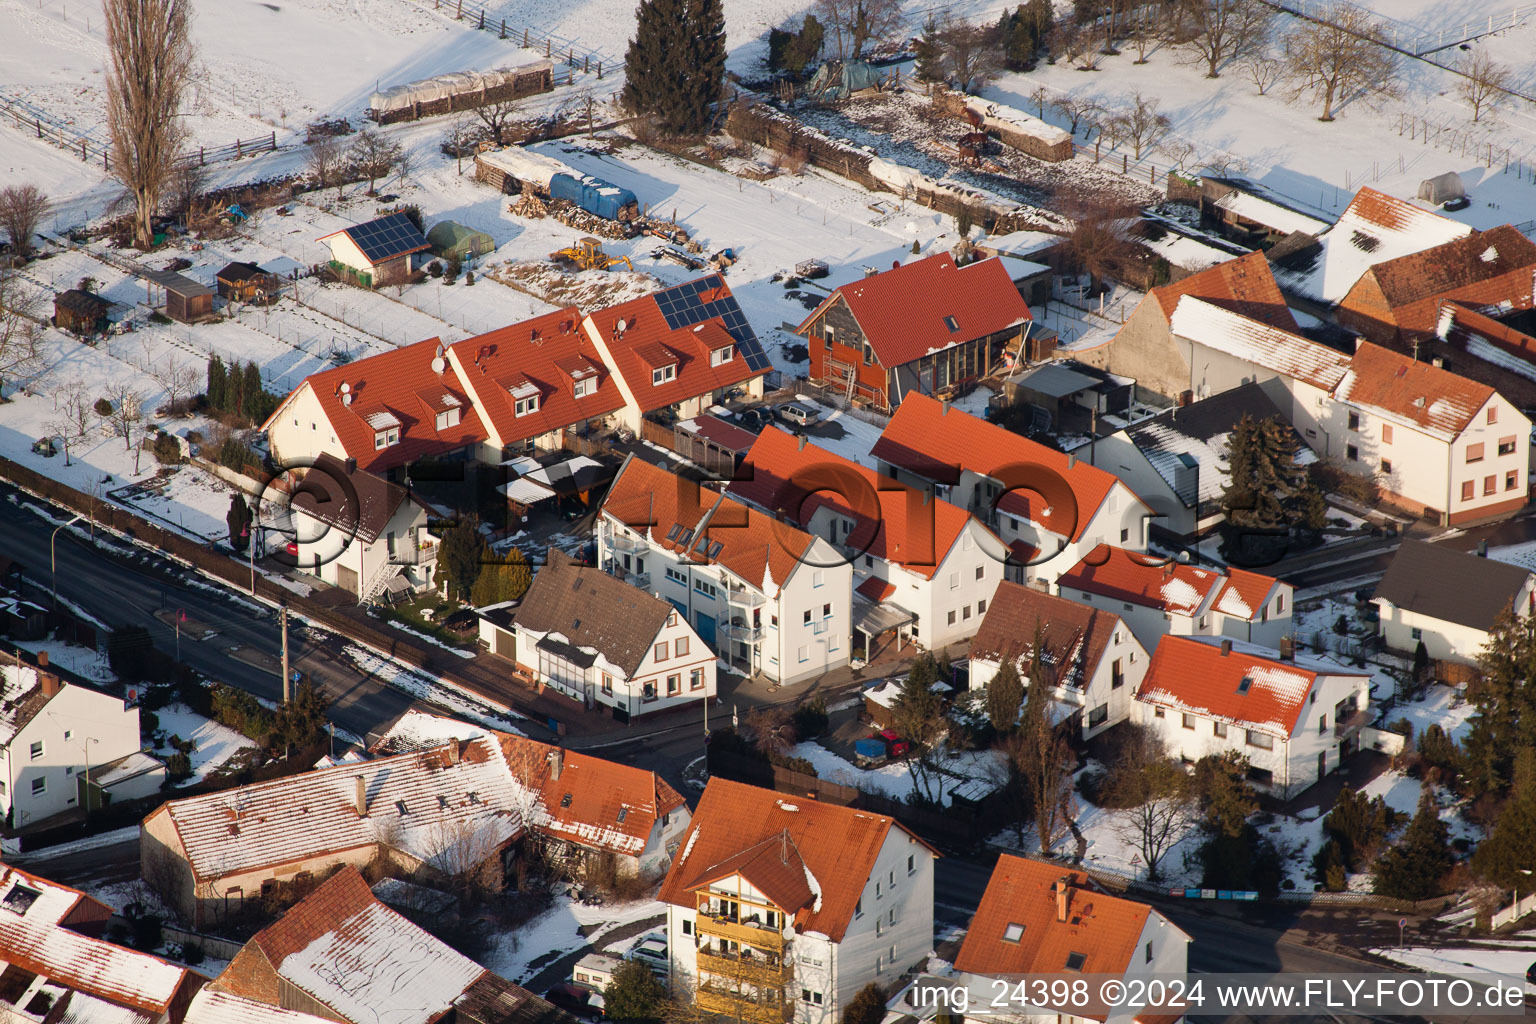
{"x":1462,"y":324}
{"x":875,"y":588}
{"x":1245,"y":593}
{"x":647,"y":343}
{"x":1075,"y":635}
{"x":549,"y":352}
{"x":1244,"y":285}
{"x":1435,"y":400}
{"x":1191,"y":674}
{"x":895,"y":522}
{"x":1021,"y":899}
{"x":837,"y":845}
{"x":925,"y":434}
{"x":775,"y":868}
{"x":1124,"y":576}
{"x":754,"y":546}
{"x":389,"y":383}
{"x":902,"y":311}
{"x":611,"y":806}
{"x":1456,"y":265}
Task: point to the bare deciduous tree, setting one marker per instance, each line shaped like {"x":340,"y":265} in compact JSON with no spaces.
{"x":1144,"y":32}
{"x":1076,"y":109}
{"x":1224,"y":30}
{"x":1334,"y":57}
{"x":127,"y":411}
{"x":22,"y":208}
{"x":324,"y":160}
{"x":374,"y":156}
{"x":1166,"y":816}
{"x":1143,"y":125}
{"x":497,"y":117}
{"x":74,"y":417}
{"x":187,"y":181}
{"x":20,"y":328}
{"x":1484,"y":82}
{"x":1179,"y":151}
{"x":852,"y":25}
{"x":1041,"y":97}
{"x":1263,"y":70}
{"x":969,"y":53}
{"x":179,"y":381}
{"x":1102,"y":243}
{"x":150,"y":58}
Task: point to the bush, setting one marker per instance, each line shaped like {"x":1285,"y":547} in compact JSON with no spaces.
{"x":178,"y":766}
{"x":435,"y":268}
{"x":158,"y":317}
{"x":469,"y":278}
{"x":167,"y":450}
{"x":241,"y":712}
{"x":149,"y":723}
{"x":103,"y":407}
{"x":191,"y":954}
{"x":235,"y":454}
{"x":811,"y":718}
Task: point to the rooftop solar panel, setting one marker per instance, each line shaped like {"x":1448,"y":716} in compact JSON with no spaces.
{"x":683,"y":306}
{"x":386,"y":237}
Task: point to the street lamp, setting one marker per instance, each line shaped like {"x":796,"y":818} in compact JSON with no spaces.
{"x":53,"y":561}
{"x":85,"y":804}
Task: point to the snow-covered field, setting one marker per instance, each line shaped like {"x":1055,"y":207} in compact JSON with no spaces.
{"x":1483,"y":962}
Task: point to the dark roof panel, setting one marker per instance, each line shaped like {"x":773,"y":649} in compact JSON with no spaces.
{"x":1451,"y":585}
{"x":387,"y":237}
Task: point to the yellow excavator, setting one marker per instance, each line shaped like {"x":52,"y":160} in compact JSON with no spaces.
{"x":587,"y":254}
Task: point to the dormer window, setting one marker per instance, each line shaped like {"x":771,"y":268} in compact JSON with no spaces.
{"x":448,"y":418}
{"x":524,"y":406}
{"x":583,"y":388}
{"x":721,"y":356}
{"x":385,"y":438}
{"x":662,"y":374}
{"x":952,"y":324}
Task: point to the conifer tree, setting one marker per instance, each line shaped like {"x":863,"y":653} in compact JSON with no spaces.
{"x":1505,"y":700}
{"x":1413,"y":867}
{"x":216,"y":382}
{"x":928,"y":50}
{"x":1005,"y":696}
{"x":675,"y":66}
{"x":1510,"y":851}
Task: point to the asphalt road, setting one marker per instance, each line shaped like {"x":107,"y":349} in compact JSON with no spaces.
{"x":227,"y":639}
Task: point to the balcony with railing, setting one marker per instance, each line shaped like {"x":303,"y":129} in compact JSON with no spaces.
{"x":762,"y":1008}
{"x":744,"y":597}
{"x":627,"y":543}
{"x":747,"y":967}
{"x":420,"y":553}
{"x":634,"y":579}
{"x":738,"y":629}
{"x":747,"y":933}
{"x":1352,"y":722}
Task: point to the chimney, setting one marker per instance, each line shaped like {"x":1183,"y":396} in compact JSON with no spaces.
{"x":1063,"y":889}
{"x":1226,"y":648}
{"x":360,"y":796}
{"x":49,"y":682}
{"x":802,"y":444}
{"x":1482,"y":552}
{"x":1071,"y":460}
{"x":351,"y":465}
{"x":42,"y":659}
{"x":556,"y":763}
{"x":454,"y":752}
{"x":1288,"y":648}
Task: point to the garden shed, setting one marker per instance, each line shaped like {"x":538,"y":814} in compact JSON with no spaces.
{"x":1442,"y":188}
{"x":80,"y":312}
{"x":248,"y":282}
{"x":186,"y":300}
{"x":452,"y":240}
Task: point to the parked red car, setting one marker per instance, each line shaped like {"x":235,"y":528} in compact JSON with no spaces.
{"x":895,"y":746}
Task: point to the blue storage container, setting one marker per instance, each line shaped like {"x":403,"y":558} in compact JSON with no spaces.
{"x":869,"y":748}
{"x":593,"y":195}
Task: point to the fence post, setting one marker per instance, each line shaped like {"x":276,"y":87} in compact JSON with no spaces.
{"x":482,"y":19}
{"x":237,"y":149}
{"x":1125,"y":163}
{"x":586,"y":64}
{"x":503,"y":28}
{"x":460,"y":15}
{"x":547,"y":49}
{"x":272,"y":139}
{"x":201,"y":157}
{"x":525,"y":36}
{"x":599,"y":71}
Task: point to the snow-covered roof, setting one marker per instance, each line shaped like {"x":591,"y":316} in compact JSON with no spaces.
{"x":1270,"y":214}
{"x":999,"y":115}
{"x":1284,"y":353}
{"x":525,"y":165}
{"x":1185,"y":252}
{"x":211,"y":1006}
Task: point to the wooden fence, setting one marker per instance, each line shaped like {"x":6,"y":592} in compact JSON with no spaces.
{"x":569,"y":52}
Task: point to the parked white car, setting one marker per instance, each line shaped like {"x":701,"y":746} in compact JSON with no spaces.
{"x":651,"y":950}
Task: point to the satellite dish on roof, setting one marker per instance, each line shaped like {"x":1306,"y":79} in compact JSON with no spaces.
{"x":621,"y":326}
{"x":345,"y":387}
{"x":346,"y":399}
{"x":438,"y":364}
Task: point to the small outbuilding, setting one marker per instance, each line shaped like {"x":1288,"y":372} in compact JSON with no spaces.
{"x":1442,"y":188}
{"x":377,"y":252}
{"x":248,"y":282}
{"x":452,"y":240}
{"x":186,"y":300}
{"x":80,"y":312}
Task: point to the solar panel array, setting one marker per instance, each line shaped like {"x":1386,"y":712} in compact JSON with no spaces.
{"x":684,"y":305}
{"x":386,"y":237}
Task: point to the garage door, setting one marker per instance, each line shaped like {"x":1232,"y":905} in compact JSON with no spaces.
{"x":346,"y":578}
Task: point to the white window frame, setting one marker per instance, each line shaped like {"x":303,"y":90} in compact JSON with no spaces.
{"x":662,"y":374}
{"x":525,"y":406}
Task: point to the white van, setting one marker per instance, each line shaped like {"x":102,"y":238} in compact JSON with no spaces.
{"x":799,"y":414}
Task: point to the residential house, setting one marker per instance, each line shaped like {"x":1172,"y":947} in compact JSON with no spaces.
{"x":1397,"y":301}
{"x":1158,"y":598}
{"x":378,"y":252}
{"x":384,"y":411}
{"x":1294,"y":720}
{"x":1094,"y":661}
{"x":1225,"y":350}
{"x":248,"y":282}
{"x":436,"y":793}
{"x":536,"y":384}
{"x":1146,"y":348}
{"x":679,"y":351}
{"x":1438,"y":444}
{"x":925,"y":567}
{"x":1048,"y":507}
{"x":929,"y":326}
{"x":341,"y":955}
{"x":360,"y":532}
{"x":590,"y":636}
{"x":58,"y":969}
{"x":781,"y":909}
{"x":1374,"y":228}
{"x":1177,"y":457}
{"x":1038,"y":919}
{"x":767,"y":597}
{"x":1450,"y":601}
{"x":62,"y":744}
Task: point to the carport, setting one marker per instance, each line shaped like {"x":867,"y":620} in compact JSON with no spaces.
{"x":873,"y":618}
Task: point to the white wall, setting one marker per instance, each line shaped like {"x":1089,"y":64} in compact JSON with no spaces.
{"x":1117,"y":454}
{"x":910,"y":938}
{"x":301,"y":430}
{"x":607,"y":684}
{"x":337,"y":548}
{"x":1100,"y":690}
{"x":78,"y":727}
{"x":1444,"y":641}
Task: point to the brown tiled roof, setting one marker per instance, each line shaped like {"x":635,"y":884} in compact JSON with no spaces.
{"x":548,"y":352}
{"x":494,"y":1000}
{"x":1462,"y":325}
{"x":356,"y":503}
{"x":718,"y":431}
{"x":1435,"y":400}
{"x":1458,"y":265}
{"x":902,"y":311}
{"x":1142,"y":579}
{"x":593,"y":609}
{"x":838,"y":846}
{"x":1021,"y":900}
{"x":775,"y":869}
{"x":894,"y":522}
{"x":755,"y":547}
{"x":1244,"y":285}
{"x":388,"y":383}
{"x":1074,"y":635}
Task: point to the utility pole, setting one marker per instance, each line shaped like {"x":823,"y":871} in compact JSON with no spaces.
{"x":282,"y":618}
